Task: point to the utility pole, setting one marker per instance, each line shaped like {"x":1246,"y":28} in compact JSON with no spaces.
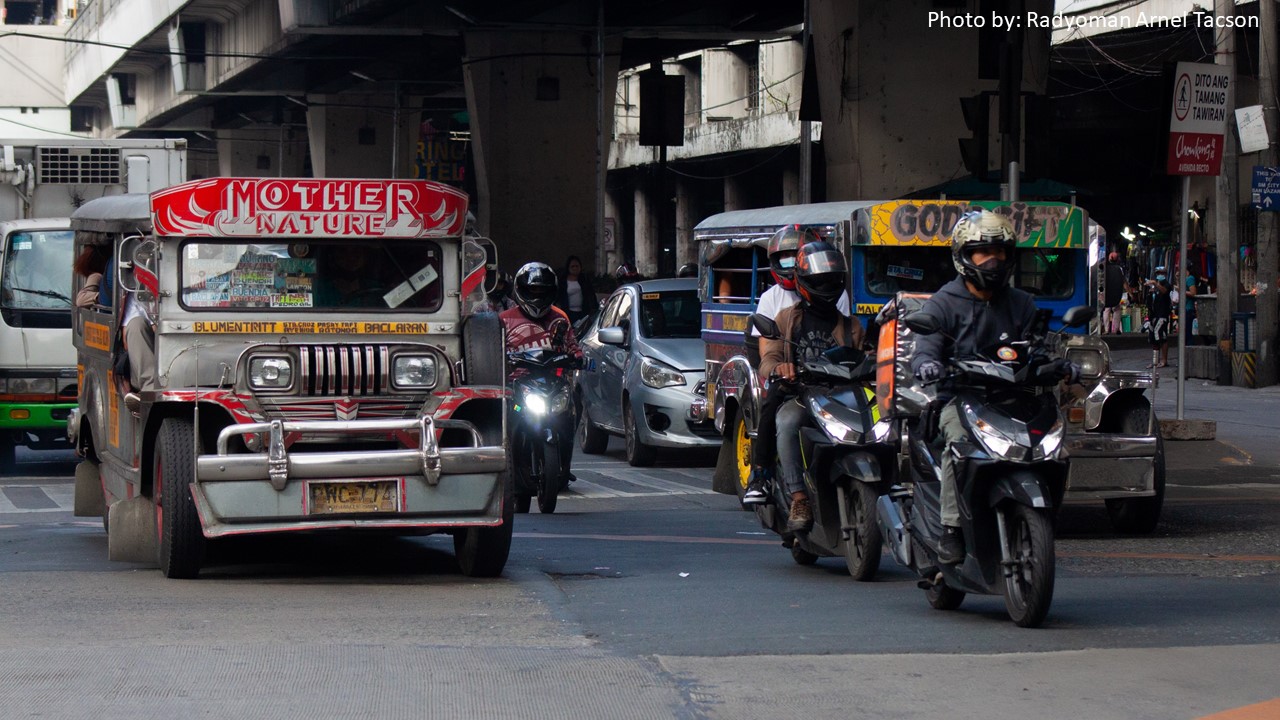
{"x":1268,"y":258}
{"x":806,"y":127}
{"x":1011,"y":99}
{"x":1226,"y":204}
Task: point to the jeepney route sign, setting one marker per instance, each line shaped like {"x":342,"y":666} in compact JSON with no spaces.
{"x":306,"y":208}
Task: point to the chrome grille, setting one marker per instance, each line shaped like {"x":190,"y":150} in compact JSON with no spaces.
{"x":323,"y":409}
{"x":334,"y":370}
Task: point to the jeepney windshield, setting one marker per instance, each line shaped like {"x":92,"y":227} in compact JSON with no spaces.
{"x":328,"y":275}
{"x":37,"y":270}
{"x":1044,"y":272}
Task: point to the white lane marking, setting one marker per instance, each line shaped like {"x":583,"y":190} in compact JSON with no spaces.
{"x":63,"y":494}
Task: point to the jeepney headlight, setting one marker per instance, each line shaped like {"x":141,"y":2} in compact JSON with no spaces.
{"x":32,"y":386}
{"x":270,"y":373}
{"x":1092,"y":365}
{"x":659,"y":375}
{"x":414,"y":372}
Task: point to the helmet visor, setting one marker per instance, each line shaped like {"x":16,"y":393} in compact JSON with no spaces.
{"x":825,"y":286}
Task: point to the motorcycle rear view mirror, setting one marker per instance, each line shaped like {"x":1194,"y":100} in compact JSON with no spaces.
{"x":612,"y":336}
{"x":922,"y":323}
{"x":767,"y":327}
{"x":1078,"y":316}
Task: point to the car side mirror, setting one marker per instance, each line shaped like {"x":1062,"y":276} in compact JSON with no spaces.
{"x":612,"y":336}
{"x":922,"y":323}
{"x":1078,"y":316}
{"x":767,"y":327}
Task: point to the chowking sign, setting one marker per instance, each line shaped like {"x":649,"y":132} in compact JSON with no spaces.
{"x":298,"y":208}
{"x":1201,"y":106}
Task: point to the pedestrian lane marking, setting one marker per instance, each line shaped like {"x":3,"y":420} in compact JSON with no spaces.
{"x":59,"y":497}
{"x":1268,"y":710}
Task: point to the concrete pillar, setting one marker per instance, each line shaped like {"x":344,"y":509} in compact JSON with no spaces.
{"x":646,"y":224}
{"x":609,"y":254}
{"x":356,"y":135}
{"x":534,"y":109}
{"x":268,"y":152}
{"x":734,"y":194}
{"x":686,"y":218}
{"x":790,"y":185}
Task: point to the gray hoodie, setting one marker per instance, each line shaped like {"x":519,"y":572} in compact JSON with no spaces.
{"x":973,"y":323}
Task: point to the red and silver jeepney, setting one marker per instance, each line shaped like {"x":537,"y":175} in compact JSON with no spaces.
{"x":314,"y":368}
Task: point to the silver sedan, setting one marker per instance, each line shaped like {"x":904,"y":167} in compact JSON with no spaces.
{"x":645,"y":365}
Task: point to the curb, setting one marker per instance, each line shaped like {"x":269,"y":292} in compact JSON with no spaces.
{"x":1188,"y":429}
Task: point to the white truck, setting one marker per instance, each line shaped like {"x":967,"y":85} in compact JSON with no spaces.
{"x":41,"y":183}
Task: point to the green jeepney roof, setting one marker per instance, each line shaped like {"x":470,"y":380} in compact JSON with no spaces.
{"x":929,"y":222}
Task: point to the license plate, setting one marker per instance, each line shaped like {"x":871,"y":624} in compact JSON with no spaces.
{"x":353,"y":496}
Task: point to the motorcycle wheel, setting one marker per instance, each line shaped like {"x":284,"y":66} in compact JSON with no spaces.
{"x":549,"y":481}
{"x":802,"y":556}
{"x":943,"y":597}
{"x":1028,"y":591}
{"x":862,"y":550}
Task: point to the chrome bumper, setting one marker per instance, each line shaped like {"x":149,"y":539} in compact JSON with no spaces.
{"x":279,"y":466}
{"x":1105,"y":465}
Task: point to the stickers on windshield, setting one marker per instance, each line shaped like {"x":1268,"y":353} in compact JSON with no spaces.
{"x":423,"y":277}
{"x":649,"y":296}
{"x":906,"y":272}
{"x":22,"y":245}
{"x":408,"y":288}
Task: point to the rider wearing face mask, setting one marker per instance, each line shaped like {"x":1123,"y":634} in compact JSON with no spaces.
{"x":974,"y":311}
{"x":806,"y":331}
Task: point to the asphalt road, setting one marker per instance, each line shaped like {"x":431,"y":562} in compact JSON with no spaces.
{"x":644,"y":596}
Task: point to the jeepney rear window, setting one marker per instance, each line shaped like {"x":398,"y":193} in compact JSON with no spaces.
{"x":889,"y":270}
{"x":1047,"y":272}
{"x":330,"y":275}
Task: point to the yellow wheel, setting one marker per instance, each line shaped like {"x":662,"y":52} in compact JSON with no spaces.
{"x":741,"y":453}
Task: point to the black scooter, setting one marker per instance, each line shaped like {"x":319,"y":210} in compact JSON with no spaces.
{"x":542,"y":415}
{"x":849,"y":458}
{"x":1011,"y":475}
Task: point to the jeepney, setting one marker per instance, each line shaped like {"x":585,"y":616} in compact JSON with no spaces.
{"x":315,"y":368}
{"x":903,"y":246}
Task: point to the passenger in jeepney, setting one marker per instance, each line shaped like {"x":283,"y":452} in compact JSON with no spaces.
{"x":91,"y":265}
{"x":783,"y":247}
{"x":535,"y":322}
{"x":807,"y":329}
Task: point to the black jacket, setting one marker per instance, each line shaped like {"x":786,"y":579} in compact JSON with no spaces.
{"x":975,"y":324}
{"x":1113,"y":287}
{"x":589,"y":301}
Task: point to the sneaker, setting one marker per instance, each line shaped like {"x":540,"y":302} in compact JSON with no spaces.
{"x":801,"y":517}
{"x":951,"y":547}
{"x":569,"y":477}
{"x":133,"y":402}
{"x":756,"y":488}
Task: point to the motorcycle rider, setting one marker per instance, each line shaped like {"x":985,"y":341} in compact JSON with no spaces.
{"x":535,"y":322}
{"x":782,"y":265}
{"x":975,"y":310}
{"x":806,"y":331}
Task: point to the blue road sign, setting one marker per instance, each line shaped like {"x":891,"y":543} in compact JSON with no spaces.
{"x":1266,"y":188}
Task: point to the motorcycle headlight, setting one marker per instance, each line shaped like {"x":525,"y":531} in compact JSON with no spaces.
{"x":1092,"y":365}
{"x":414,"y":372}
{"x":995,"y":442}
{"x":32,"y":386}
{"x":831,"y":425}
{"x":535,"y":403}
{"x":659,"y":375}
{"x":1049,"y":444}
{"x":270,"y":373}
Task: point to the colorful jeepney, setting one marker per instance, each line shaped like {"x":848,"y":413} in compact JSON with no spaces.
{"x":314,"y":368}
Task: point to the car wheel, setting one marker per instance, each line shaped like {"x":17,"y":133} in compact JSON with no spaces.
{"x":638,"y":454}
{"x":591,"y":439}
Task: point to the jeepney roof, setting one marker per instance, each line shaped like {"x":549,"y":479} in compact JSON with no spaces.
{"x":827,"y":213}
{"x":114,"y":214}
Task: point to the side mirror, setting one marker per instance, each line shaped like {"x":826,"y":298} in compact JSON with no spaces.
{"x":922,"y":323}
{"x":1078,"y":316}
{"x":767,"y":327}
{"x":612,"y":336}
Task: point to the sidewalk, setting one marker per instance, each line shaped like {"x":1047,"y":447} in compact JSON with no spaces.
{"x":1248,"y":419}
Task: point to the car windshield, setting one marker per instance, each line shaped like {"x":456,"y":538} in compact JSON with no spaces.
{"x":37,"y":270}
{"x":674,"y":314}
{"x":314,"y":275}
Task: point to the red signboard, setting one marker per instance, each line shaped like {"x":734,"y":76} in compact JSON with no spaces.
{"x":1201,"y":104}
{"x":295,"y":207}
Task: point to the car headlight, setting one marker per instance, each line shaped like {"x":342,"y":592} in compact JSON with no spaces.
{"x":414,"y":371}
{"x":1092,"y":365}
{"x":560,"y":402}
{"x":270,"y":373}
{"x":996,"y":442}
{"x":32,"y":386}
{"x":1049,"y":444}
{"x":659,"y":375}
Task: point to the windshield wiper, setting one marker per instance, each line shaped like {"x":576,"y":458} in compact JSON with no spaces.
{"x":44,"y":293}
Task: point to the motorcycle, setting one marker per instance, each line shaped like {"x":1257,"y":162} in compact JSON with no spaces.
{"x":542,"y":415}
{"x":1010,"y":476}
{"x":849,"y":456}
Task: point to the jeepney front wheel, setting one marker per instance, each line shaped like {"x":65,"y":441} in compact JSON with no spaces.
{"x":741,"y":454}
{"x":482,"y":551}
{"x":182,"y":542}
